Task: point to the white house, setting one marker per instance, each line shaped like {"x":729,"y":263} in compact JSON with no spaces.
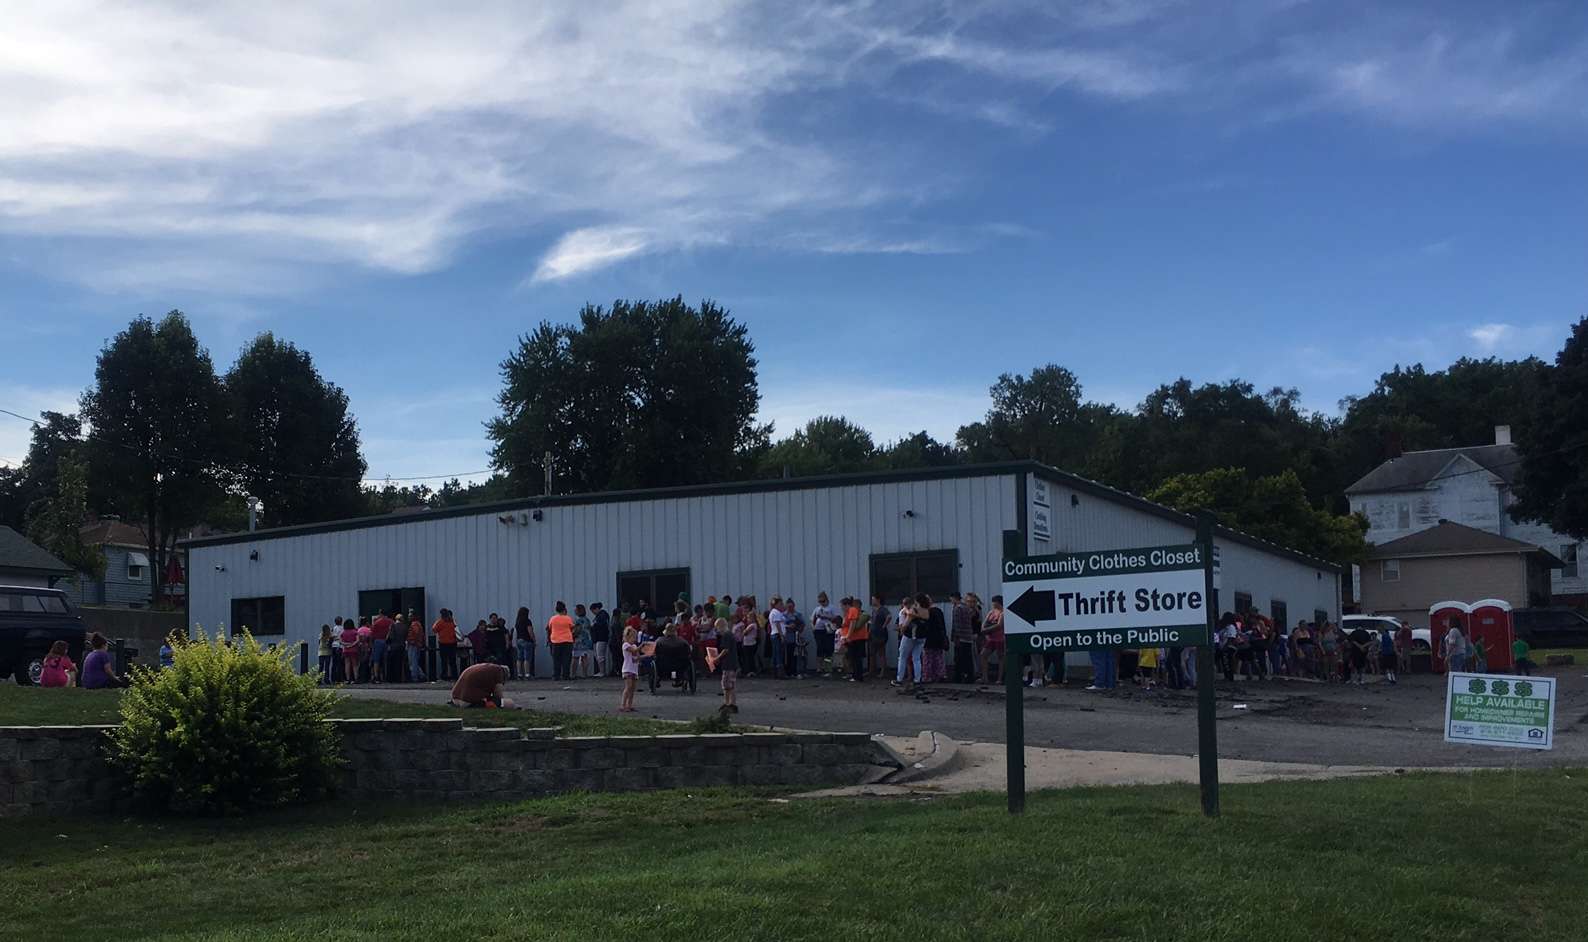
{"x":1470,"y":486}
{"x":935,"y":530}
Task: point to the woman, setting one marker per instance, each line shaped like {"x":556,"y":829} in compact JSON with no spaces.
{"x":1329,"y":642}
{"x":978,"y":652}
{"x":583,"y":647}
{"x":935,"y":656}
{"x":326,"y":650}
{"x":99,"y":668}
{"x":446,"y":632}
{"x":350,"y":654}
{"x":498,"y":643}
{"x":992,"y":641}
{"x":880,"y":619}
{"x":1305,"y":647}
{"x":414,"y":648}
{"x":912,"y":632}
{"x":524,"y":642}
{"x":59,"y":671}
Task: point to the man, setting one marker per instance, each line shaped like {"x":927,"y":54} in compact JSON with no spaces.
{"x":379,"y":631}
{"x":963,"y":634}
{"x":1455,"y":647}
{"x":446,"y":632}
{"x":857,"y":636}
{"x":1360,"y":641}
{"x":1519,"y":657}
{"x":880,"y":619}
{"x":600,"y":636}
{"x":481,"y":685}
{"x":415,"y":647}
{"x":673,"y":659}
{"x":559,"y":631}
{"x":825,"y":620}
{"x":725,"y":610}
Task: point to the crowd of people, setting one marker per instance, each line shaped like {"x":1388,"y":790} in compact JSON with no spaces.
{"x":960,"y":640}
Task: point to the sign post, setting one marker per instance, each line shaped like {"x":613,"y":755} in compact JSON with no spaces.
{"x":1155,"y":596}
{"x":1207,"y":722}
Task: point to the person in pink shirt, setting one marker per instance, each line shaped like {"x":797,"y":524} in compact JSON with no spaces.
{"x":350,"y":656}
{"x":58,"y":667}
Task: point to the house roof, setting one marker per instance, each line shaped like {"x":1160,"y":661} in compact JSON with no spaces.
{"x":1454,"y":539}
{"x":19,"y":554}
{"x":1415,"y":469}
{"x":1053,"y":475}
{"x":113,"y":533}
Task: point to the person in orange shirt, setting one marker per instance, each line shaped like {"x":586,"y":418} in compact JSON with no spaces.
{"x":446,"y":631}
{"x":559,"y":631}
{"x":857,"y":631}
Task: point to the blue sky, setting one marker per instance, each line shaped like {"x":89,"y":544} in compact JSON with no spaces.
{"x":902,"y":200}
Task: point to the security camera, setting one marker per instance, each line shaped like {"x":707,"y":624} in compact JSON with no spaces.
{"x":220,"y":568}
{"x":538,"y":516}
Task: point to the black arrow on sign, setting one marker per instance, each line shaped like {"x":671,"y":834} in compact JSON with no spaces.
{"x":1033,"y":606}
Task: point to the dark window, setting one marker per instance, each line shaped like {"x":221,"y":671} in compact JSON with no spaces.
{"x":1391,"y":570}
{"x":1568,"y":555}
{"x":1243,"y":602}
{"x":895,"y":575}
{"x":262,"y":616}
{"x":392,"y":602}
{"x":1279,"y":612}
{"x":659,"y":588}
{"x":54,"y":604}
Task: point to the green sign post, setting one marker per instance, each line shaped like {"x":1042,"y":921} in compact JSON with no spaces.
{"x":1148,"y":597}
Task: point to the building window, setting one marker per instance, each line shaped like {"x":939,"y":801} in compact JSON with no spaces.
{"x":1279,"y":612}
{"x":1243,"y":602}
{"x":1403,"y":516}
{"x":1391,"y":570}
{"x":262,"y":616}
{"x":137,"y":567}
{"x":657,"y":588}
{"x":392,"y":602}
{"x":1568,"y":555}
{"x":895,"y":575}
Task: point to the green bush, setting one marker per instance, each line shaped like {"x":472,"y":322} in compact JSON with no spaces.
{"x":228,"y":728}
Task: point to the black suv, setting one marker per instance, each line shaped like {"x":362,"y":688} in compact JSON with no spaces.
{"x":32,"y":619}
{"x":1551,"y":627}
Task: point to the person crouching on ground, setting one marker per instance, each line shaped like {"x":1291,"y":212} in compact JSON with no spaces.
{"x":631,"y":668}
{"x":481,"y":685}
{"x":99,"y":667}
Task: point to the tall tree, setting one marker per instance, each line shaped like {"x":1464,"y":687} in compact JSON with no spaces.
{"x":157,"y":444}
{"x":918,"y":451}
{"x":1274,"y":508}
{"x":56,"y":436}
{"x":1553,"y":443}
{"x":644,"y":394}
{"x":295,"y":445}
{"x":827,"y":444}
{"x":1044,"y":417}
{"x":56,"y":522}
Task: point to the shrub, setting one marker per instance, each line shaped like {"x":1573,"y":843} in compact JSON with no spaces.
{"x":228,"y":728}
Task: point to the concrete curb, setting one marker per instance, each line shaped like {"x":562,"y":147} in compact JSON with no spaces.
{"x":941,"y":757}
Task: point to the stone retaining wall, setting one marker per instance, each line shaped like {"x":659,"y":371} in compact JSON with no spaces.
{"x":59,"y":770}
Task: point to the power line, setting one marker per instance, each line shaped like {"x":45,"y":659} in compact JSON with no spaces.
{"x":288,"y":474}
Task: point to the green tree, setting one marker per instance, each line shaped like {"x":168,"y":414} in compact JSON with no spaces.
{"x":1044,"y":417}
{"x":1553,"y":443}
{"x":295,"y":445}
{"x":56,"y":522}
{"x":644,"y":394}
{"x":158,"y":444}
{"x":918,"y":451}
{"x":1274,"y":508}
{"x":827,"y":444}
{"x":55,"y":436}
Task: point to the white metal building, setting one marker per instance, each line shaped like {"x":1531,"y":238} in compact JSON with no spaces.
{"x":929,"y":530}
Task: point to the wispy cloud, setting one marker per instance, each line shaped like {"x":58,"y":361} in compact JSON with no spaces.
{"x":1501,"y":339}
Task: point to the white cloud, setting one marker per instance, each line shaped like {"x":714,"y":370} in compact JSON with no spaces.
{"x":585,"y":249}
{"x":1501,"y":339}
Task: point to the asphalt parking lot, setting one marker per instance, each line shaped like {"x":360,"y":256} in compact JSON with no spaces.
{"x":1279,"y":721}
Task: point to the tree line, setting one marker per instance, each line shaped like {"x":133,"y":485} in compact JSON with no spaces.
{"x":664,"y":393}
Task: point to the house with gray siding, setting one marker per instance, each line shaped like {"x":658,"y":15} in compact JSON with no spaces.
{"x":935,"y":530}
{"x":1468,"y":486}
{"x":127,"y":582}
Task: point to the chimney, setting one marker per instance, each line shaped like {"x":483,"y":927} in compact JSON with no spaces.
{"x":1502,"y":435}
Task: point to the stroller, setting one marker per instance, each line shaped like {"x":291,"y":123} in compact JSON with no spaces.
{"x":675,"y":663}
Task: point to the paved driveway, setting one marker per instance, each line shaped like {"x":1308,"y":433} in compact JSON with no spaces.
{"x":1281,"y":721}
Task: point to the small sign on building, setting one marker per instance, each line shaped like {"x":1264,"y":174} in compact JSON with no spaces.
{"x":1500,"y":710}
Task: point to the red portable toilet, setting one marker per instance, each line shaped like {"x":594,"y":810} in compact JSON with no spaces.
{"x":1490,"y":626}
{"x":1440,"y":616}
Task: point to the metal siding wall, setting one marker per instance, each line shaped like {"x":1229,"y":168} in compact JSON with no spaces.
{"x":1267,"y":577}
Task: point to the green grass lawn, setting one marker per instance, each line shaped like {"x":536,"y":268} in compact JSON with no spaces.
{"x":36,"y":706}
{"x":1484,"y":856}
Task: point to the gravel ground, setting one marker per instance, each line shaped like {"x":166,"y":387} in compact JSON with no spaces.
{"x":1281,"y":721}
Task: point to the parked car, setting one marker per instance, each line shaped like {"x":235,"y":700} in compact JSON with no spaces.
{"x":32,"y":619}
{"x":1551,"y":627}
{"x":1422,"y":640}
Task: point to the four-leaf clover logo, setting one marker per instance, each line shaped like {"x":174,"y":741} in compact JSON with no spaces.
{"x":1500,"y":688}
{"x":1476,"y":686}
{"x":1524,"y":689}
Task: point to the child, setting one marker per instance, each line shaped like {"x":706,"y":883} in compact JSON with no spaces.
{"x":631,"y":668}
{"x":58,"y":667}
{"x":725,"y":657}
{"x":350,"y":657}
{"x":1386,"y":654}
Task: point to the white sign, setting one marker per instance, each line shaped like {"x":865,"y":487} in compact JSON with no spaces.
{"x":1500,"y":710}
{"x":1042,"y":524}
{"x":1113,"y":598}
{"x":1039,"y":492}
